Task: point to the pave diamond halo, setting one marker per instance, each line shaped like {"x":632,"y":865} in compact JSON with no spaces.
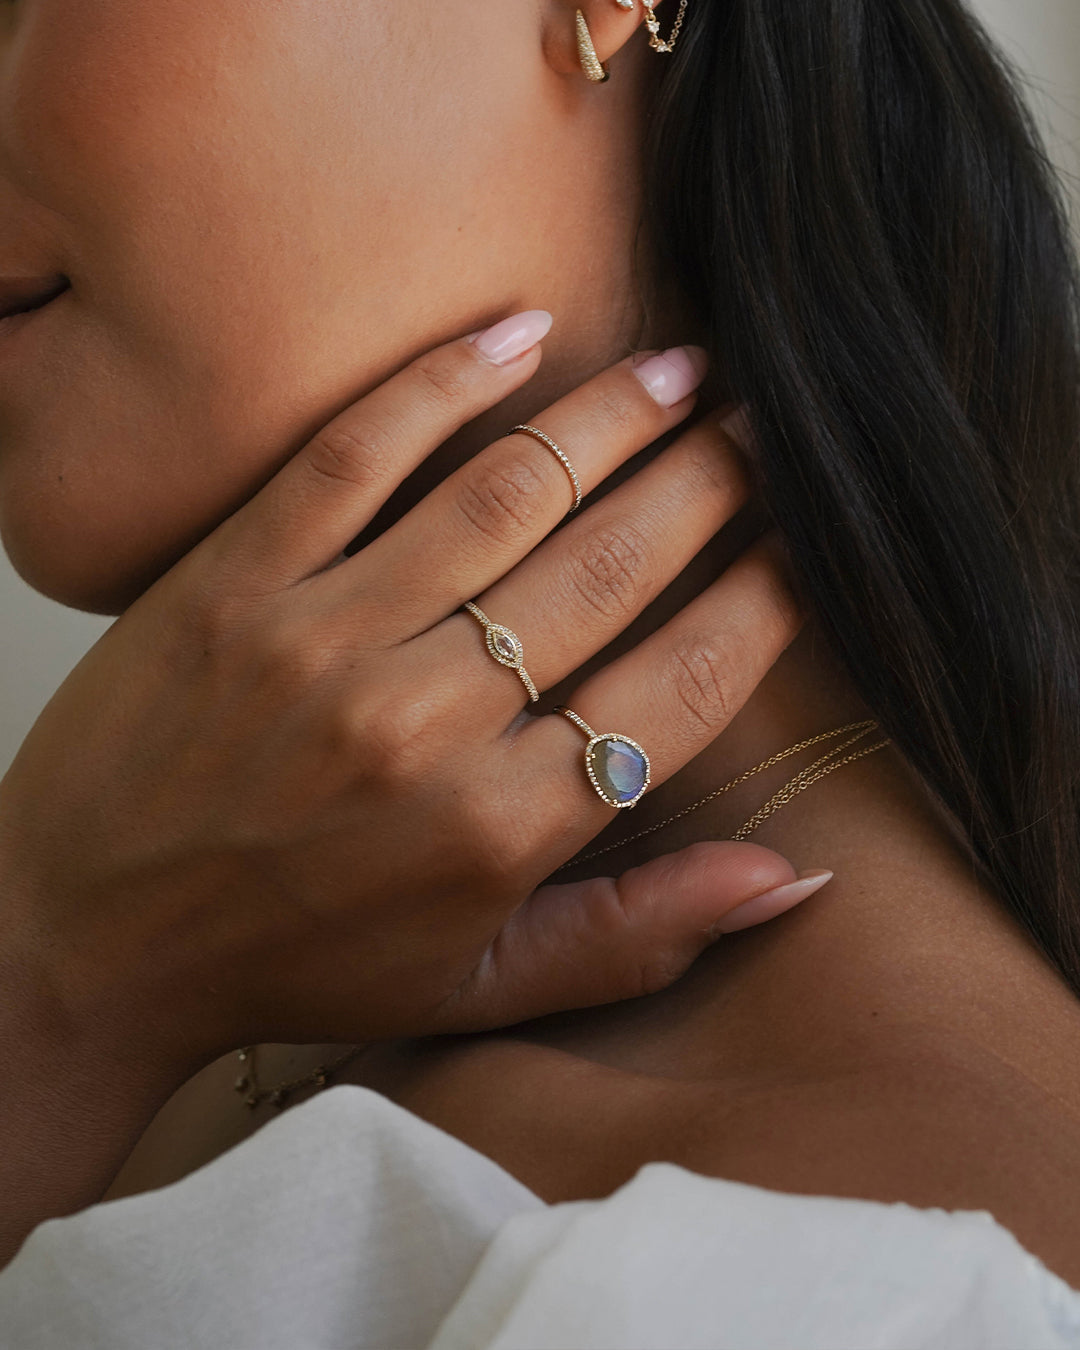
{"x":618,"y":768}
{"x":505,"y":646}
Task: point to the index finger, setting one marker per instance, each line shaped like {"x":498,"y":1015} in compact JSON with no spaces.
{"x":300,"y":521}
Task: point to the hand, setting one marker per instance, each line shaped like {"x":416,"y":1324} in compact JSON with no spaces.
{"x":288,"y":796}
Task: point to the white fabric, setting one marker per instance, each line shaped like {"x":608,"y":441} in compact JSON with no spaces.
{"x":348,"y":1222}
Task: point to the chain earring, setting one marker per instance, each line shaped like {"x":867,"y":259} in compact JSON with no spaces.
{"x":590,"y":62}
{"x":652,"y":23}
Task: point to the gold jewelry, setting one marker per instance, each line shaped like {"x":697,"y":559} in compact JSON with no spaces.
{"x":653,"y":25}
{"x":618,"y":768}
{"x":504,"y":645}
{"x":545,"y":439}
{"x":799,"y":783}
{"x":590,"y":62}
{"x":247,"y":1082}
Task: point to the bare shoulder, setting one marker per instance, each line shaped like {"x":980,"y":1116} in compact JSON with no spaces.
{"x":954,"y":1126}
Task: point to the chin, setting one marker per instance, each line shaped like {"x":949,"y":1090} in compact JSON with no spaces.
{"x":82,"y":568}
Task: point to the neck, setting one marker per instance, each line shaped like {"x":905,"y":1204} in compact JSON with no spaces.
{"x":904,"y":898}
{"x":903,"y":887}
{"x":805,"y":693}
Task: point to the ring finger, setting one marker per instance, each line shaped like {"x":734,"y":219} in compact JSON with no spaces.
{"x":674,"y":693}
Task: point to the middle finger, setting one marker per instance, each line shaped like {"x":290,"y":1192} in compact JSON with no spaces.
{"x":487,"y":515}
{"x":583,"y":586}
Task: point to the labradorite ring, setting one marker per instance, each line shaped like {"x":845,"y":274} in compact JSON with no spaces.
{"x":505,"y":646}
{"x":618,"y":767}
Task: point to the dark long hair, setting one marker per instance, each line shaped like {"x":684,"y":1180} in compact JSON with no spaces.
{"x":855,"y":196}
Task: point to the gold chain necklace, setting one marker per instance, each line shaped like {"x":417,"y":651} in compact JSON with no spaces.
{"x":247,"y":1082}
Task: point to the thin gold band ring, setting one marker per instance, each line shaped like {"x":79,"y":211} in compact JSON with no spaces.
{"x":545,"y":439}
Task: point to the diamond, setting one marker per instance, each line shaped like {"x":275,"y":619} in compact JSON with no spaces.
{"x":504,"y":647}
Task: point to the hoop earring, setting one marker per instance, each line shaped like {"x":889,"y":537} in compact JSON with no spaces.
{"x":590,"y":62}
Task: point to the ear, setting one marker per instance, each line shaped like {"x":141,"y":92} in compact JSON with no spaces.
{"x":610,"y":25}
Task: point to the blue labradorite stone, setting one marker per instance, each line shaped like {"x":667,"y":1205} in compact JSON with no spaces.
{"x":619,"y":769}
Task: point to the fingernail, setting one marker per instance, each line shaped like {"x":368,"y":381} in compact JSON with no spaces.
{"x":770,"y":903}
{"x":510,"y":337}
{"x":673,"y":374}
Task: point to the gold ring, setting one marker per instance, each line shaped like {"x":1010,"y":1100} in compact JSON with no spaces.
{"x":504,"y":645}
{"x":618,"y":767}
{"x":545,"y":439}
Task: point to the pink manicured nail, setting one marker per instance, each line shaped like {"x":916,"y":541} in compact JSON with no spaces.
{"x":770,"y":903}
{"x":510,"y":337}
{"x":673,"y":374}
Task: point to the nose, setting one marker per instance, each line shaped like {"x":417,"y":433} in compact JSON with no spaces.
{"x":21,"y":293}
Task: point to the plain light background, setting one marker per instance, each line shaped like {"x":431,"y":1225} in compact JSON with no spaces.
{"x":42,"y":640}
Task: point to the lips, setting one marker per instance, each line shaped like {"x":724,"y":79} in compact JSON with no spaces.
{"x":20,"y":294}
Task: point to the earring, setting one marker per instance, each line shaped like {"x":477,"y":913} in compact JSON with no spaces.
{"x":653,"y":25}
{"x":625,"y":4}
{"x":590,"y":62}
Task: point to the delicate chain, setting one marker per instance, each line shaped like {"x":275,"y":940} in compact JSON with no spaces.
{"x":653,"y":25}
{"x":253,"y":1094}
{"x":861,"y":727}
{"x":247,"y":1083}
{"x":799,"y":784}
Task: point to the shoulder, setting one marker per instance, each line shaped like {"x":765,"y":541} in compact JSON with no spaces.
{"x":951,"y":1126}
{"x":673,"y":1257}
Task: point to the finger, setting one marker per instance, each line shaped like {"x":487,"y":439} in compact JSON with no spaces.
{"x":613,"y":938}
{"x":493,"y":510}
{"x":673,"y":694}
{"x":303,"y":518}
{"x":582,"y":587}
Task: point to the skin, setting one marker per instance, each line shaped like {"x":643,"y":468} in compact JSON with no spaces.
{"x":265,"y":211}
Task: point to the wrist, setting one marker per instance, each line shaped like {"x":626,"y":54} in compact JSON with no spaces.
{"x":76,"y":1094}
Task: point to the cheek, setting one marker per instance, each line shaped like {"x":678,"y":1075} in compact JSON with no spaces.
{"x":262,"y":215}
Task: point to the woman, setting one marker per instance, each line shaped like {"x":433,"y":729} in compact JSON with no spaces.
{"x":265,"y":213}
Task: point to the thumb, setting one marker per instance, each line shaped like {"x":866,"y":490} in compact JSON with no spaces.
{"x":611,"y":938}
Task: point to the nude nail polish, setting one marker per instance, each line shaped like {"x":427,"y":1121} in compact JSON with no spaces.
{"x":770,"y":903}
{"x":673,"y":374}
{"x":510,"y":337}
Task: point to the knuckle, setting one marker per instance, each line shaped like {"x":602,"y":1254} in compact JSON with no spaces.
{"x":716,"y":472}
{"x":347,"y":455}
{"x":443,"y":378}
{"x":395,"y":740}
{"x":212,"y":616}
{"x":606,"y":570}
{"x":657,"y":970}
{"x":781,"y":585}
{"x":502,"y":499}
{"x":702,"y":682}
{"x":650,"y":961}
{"x":618,"y":403}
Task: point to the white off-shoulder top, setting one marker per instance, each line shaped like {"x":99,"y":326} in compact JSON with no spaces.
{"x":348,"y":1222}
